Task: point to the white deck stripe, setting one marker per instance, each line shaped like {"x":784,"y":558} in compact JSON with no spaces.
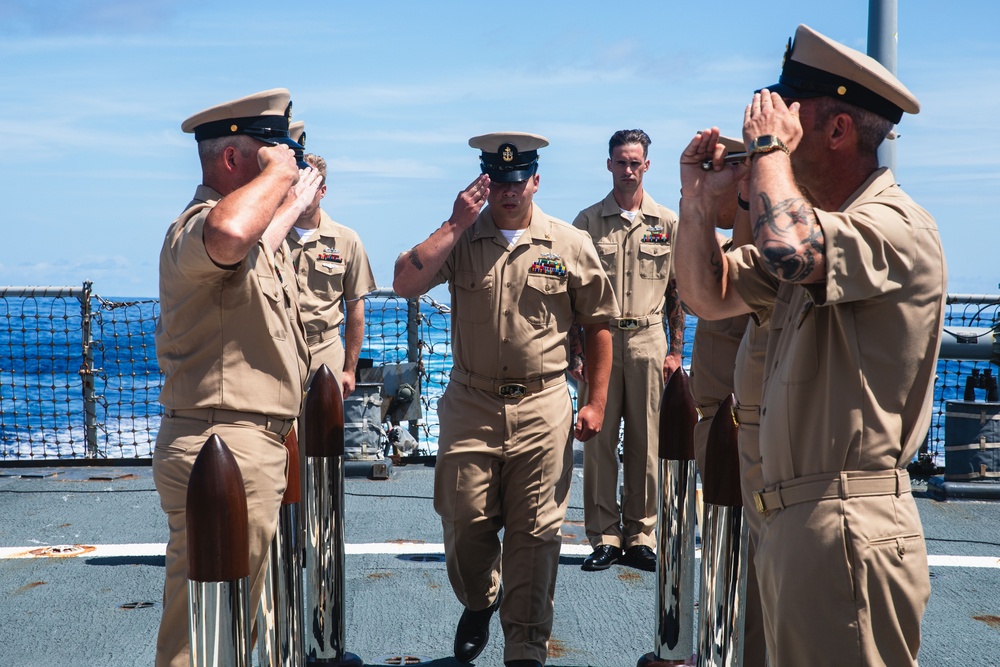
{"x":376,"y":548}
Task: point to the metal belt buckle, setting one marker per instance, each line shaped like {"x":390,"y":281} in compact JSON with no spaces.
{"x":628,"y":323}
{"x":758,"y":501}
{"x":512,"y":390}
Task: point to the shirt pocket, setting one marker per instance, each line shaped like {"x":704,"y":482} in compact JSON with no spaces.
{"x":608,"y":252}
{"x":473,"y":296}
{"x":273,"y":305}
{"x":327,"y":279}
{"x":545,"y":300}
{"x":801,"y":329}
{"x":654,"y":261}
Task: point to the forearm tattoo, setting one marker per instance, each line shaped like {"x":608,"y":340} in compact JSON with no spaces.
{"x":415,"y":259}
{"x":790,"y":254}
{"x":715,"y":261}
{"x":675,"y":318}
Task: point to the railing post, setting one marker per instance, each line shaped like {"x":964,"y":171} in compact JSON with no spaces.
{"x":87,"y":373}
{"x":413,"y":351}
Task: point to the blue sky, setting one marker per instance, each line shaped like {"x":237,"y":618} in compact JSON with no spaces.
{"x":94,"y":166}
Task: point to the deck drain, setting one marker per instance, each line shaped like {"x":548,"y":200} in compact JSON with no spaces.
{"x":423,"y":558}
{"x":63,"y":550}
{"x":404,"y":659}
{"x":137,"y":605}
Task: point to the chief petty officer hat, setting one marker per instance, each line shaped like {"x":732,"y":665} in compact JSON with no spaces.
{"x":816,"y":66}
{"x":509,"y":157}
{"x":297,"y":132}
{"x":265,"y":116}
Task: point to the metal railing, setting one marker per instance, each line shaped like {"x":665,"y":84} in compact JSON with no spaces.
{"x":79,"y":380}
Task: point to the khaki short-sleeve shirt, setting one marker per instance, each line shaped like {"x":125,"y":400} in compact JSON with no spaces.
{"x":636,"y":254}
{"x":849,"y":370}
{"x":227,"y":337}
{"x":330,"y":267}
{"x":512,"y":306}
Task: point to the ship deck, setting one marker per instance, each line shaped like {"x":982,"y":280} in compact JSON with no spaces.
{"x":98,"y":602}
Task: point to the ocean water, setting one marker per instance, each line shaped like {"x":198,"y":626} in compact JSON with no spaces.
{"x":44,"y":378}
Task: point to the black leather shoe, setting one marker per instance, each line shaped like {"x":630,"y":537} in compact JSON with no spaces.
{"x":640,"y":557}
{"x":604,"y":556}
{"x":474,"y":631}
{"x":523,"y":663}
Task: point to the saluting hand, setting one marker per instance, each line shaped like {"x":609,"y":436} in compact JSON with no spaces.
{"x":768,"y":114}
{"x":470,"y":201}
{"x":721,"y":179}
{"x":278,"y":157}
{"x":304,"y":191}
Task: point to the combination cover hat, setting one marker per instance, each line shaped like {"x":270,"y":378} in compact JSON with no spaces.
{"x":265,"y":116}
{"x":509,"y":157}
{"x":816,"y":66}
{"x":297,"y":132}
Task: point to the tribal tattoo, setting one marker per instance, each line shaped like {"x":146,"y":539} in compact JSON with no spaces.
{"x":791,"y":258}
{"x":415,"y":259}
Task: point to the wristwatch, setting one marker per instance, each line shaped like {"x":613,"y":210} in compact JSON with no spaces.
{"x":766,"y":143}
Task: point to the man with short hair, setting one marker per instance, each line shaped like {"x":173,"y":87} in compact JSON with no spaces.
{"x":333,"y":275}
{"x":518,"y":279}
{"x":854,"y":272}
{"x":633,"y":236}
{"x":229,"y":340}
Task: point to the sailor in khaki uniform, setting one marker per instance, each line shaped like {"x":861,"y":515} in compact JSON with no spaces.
{"x":856,"y":278}
{"x":633,"y":236}
{"x":229,"y":340}
{"x":333,"y":275}
{"x":518,"y":279}
{"x":727,"y":358}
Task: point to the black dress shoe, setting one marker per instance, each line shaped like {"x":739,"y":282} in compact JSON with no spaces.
{"x":474,"y":631}
{"x":604,"y":556}
{"x":523,"y":663}
{"x":640,"y":557}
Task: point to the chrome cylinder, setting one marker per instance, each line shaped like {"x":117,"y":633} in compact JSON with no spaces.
{"x":280,"y":633}
{"x":723,"y":587}
{"x":675,"y":591}
{"x":219,"y":622}
{"x":325,"y":562}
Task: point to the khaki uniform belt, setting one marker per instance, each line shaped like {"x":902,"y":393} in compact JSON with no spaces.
{"x":320,"y":336}
{"x":633,"y":323}
{"x":508,"y":388}
{"x":850,"y":484}
{"x":747,"y":414}
{"x":276,"y":425}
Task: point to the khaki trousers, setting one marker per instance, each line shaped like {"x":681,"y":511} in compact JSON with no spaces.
{"x":262,"y":458}
{"x":635,"y":388}
{"x":505,"y":464}
{"x":843,"y":583}
{"x":754,"y":642}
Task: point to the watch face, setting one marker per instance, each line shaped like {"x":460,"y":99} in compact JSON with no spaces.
{"x":765,"y":141}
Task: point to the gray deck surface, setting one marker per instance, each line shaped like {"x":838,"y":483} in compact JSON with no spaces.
{"x":72,"y":611}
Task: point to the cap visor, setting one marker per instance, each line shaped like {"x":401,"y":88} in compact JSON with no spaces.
{"x":515,"y":176}
{"x":790,"y":93}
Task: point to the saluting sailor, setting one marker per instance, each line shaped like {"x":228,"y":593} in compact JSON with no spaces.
{"x":229,"y":339}
{"x":518,"y":278}
{"x":853,"y":273}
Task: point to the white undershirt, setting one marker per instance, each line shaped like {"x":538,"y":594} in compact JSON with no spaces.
{"x":304,"y":234}
{"x":512,"y":235}
{"x":629,"y":214}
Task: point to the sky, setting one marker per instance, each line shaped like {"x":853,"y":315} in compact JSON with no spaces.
{"x":94,"y":166}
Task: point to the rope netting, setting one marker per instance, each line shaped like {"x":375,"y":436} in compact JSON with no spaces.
{"x":79,"y":377}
